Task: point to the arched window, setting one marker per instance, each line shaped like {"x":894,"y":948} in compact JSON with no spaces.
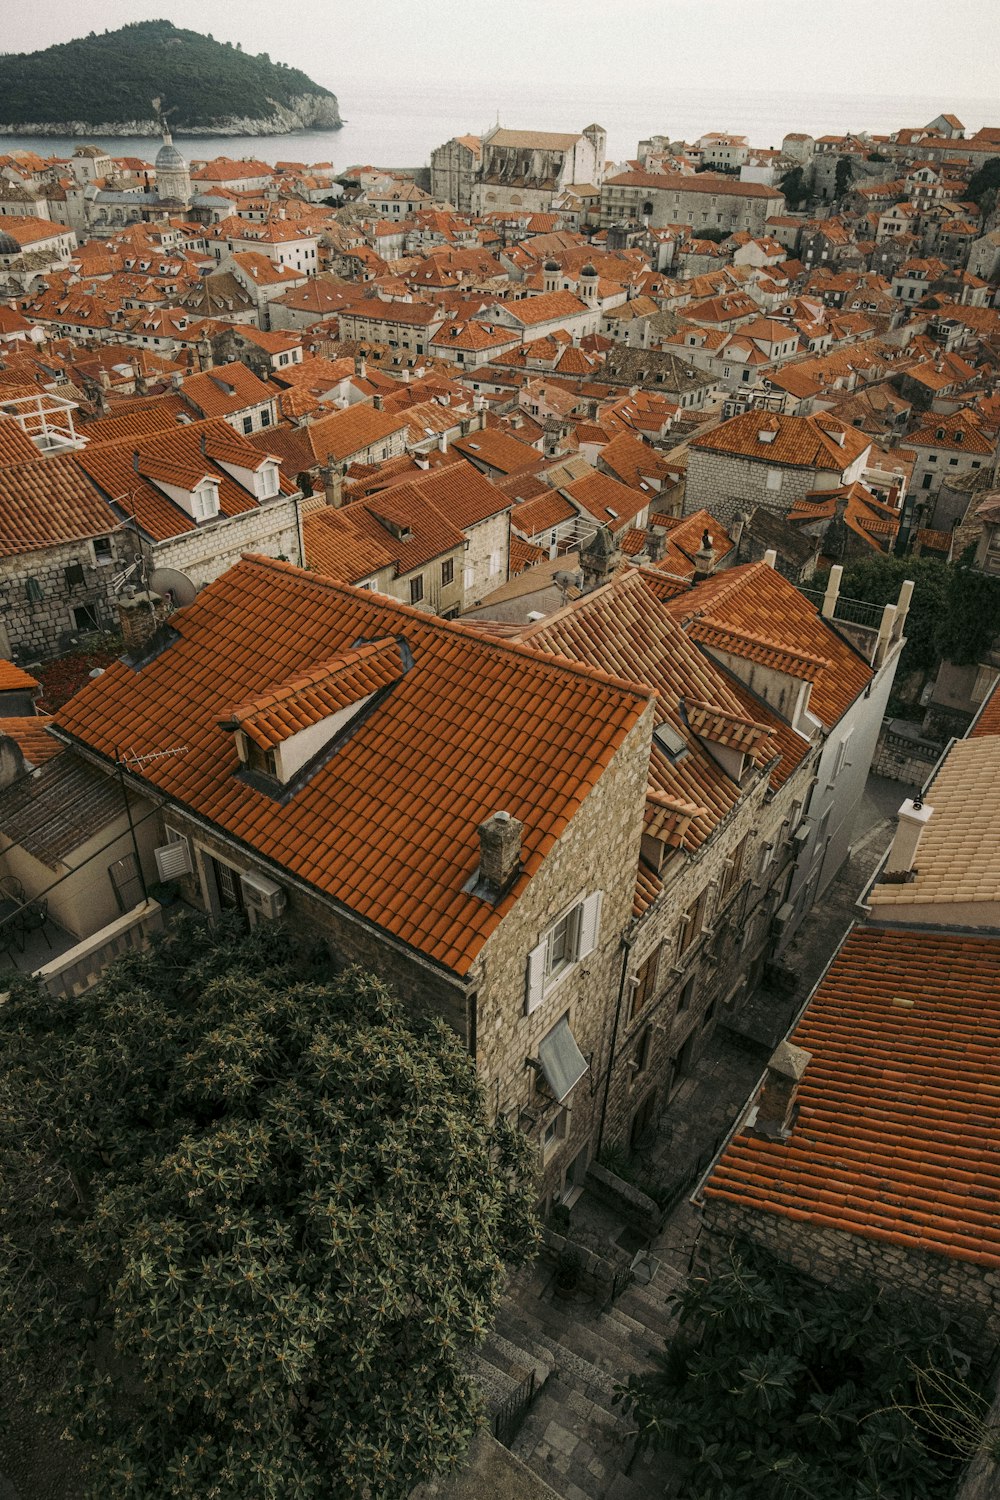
{"x":647,"y":209}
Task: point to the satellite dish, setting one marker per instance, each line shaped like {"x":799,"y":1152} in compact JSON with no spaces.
{"x":173,"y":585}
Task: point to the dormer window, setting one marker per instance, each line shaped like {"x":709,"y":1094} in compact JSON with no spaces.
{"x":205,"y":501}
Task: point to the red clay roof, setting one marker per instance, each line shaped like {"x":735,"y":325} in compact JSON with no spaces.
{"x":283,"y":710}
{"x":754,"y":613}
{"x":896,"y":1132}
{"x":14,"y":679}
{"x":388,"y":825}
{"x":988,"y":720}
{"x":48,"y":502}
{"x":31,"y":734}
{"x":802,"y":442}
{"x":623,"y":629}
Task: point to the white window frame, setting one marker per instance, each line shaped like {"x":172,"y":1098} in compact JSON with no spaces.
{"x":581,"y":922}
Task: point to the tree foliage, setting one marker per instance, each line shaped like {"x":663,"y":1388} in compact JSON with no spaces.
{"x":115,"y":76}
{"x":844,"y":175}
{"x":777,"y":1386}
{"x":954,"y":614}
{"x":794,"y":186}
{"x":250,"y":1217}
{"x":985,"y":179}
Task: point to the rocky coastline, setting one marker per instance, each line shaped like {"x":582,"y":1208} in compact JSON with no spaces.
{"x":305,"y":112}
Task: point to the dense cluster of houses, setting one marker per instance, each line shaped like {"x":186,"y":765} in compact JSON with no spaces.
{"x":476,"y":538}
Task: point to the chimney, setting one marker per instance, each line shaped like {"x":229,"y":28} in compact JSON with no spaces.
{"x":499,"y":852}
{"x":832,"y":592}
{"x":770,"y":558}
{"x":775,"y":1109}
{"x":377,"y":402}
{"x":443,"y":442}
{"x":912,"y":819}
{"x":656,"y":543}
{"x":333,"y":483}
{"x":140,"y":617}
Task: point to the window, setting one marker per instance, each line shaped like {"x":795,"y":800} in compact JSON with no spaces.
{"x":567,"y":941}
{"x":103,"y":552}
{"x":774,"y":479}
{"x":468,"y":576}
{"x":496,"y":562}
{"x":248,"y":424}
{"x":554,"y":1132}
{"x":687,"y":995}
{"x":85,"y":617}
{"x":732,"y":872}
{"x":841,"y":761}
{"x":265,"y":418}
{"x":447,"y":572}
{"x":74,"y":576}
{"x":417,"y":589}
{"x":691,"y":924}
{"x":640,"y":1058}
{"x":709,"y":1016}
{"x":646,"y":987}
{"x":260,"y":760}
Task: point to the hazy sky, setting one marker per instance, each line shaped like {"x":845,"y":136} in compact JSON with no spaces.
{"x":899,"y":47}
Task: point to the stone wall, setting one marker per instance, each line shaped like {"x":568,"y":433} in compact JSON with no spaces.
{"x":215,"y":546}
{"x":39,"y":619}
{"x":725,"y":485}
{"x":970,"y":1294}
{"x":491,"y":535}
{"x":902,"y":754}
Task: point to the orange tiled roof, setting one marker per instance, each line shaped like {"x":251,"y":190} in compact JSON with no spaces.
{"x":275,"y":715}
{"x":622,"y":628}
{"x":388,"y":826}
{"x":988,"y":719}
{"x":752,"y":611}
{"x":895,"y":1138}
{"x":804,"y":442}
{"x":48,"y":502}
{"x":31,"y":734}
{"x":14,"y":679}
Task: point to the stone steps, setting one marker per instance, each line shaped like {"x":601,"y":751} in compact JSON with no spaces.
{"x":575,"y":1445}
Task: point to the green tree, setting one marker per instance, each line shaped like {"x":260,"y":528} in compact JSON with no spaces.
{"x":777,"y":1386}
{"x":844,"y":175}
{"x":954,"y":614}
{"x":984,"y":179}
{"x":251,"y":1215}
{"x":794,"y":186}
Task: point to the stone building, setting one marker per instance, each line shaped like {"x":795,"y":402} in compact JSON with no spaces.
{"x":529,"y":169}
{"x":489,"y":805}
{"x":703,"y":200}
{"x":453,"y":171}
{"x":61,"y":547}
{"x":773,"y":460}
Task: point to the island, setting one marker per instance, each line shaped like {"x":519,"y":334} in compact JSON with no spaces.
{"x":106,"y":85}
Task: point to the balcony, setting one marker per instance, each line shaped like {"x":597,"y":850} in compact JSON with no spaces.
{"x":67,"y":965}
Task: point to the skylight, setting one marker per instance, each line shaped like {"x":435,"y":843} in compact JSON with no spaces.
{"x":670,"y":742}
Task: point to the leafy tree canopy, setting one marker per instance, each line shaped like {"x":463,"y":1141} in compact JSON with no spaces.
{"x":779,"y":1387}
{"x":844,"y":175}
{"x":116,"y":76}
{"x":794,"y":186}
{"x":954,"y":614}
{"x":249,"y":1218}
{"x":984,"y":179}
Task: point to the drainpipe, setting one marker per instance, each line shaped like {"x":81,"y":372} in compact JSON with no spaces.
{"x":626,"y":954}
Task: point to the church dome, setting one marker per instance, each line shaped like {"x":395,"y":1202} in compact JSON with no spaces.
{"x":551,"y":265}
{"x":588,"y":270}
{"x":169,"y":159}
{"x":8,"y":244}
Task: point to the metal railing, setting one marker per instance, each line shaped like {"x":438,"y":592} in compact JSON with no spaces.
{"x":508,"y":1418}
{"x":851,"y":611}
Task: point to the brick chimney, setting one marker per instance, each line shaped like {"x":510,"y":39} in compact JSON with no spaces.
{"x":499,"y":852}
{"x":911,"y":820}
{"x":704,"y":558}
{"x":333,"y":484}
{"x":776,"y":1102}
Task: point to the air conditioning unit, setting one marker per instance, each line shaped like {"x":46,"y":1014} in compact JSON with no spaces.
{"x":265,"y":899}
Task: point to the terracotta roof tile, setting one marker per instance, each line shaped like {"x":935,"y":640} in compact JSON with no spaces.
{"x":388,"y":826}
{"x":31,"y":734}
{"x":306,"y":699}
{"x":895,"y":1137}
{"x":47,"y":502}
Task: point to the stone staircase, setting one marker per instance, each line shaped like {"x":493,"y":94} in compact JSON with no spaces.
{"x":573,"y":1435}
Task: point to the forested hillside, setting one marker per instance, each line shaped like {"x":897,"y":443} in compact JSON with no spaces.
{"x":116,"y":76}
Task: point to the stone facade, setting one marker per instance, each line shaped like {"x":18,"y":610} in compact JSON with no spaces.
{"x":598,"y":852}
{"x":453,"y":173}
{"x":205,"y":553}
{"x":726,"y":483}
{"x":486,"y":563}
{"x":703,"y":202}
{"x":46,"y":603}
{"x":968,"y":1293}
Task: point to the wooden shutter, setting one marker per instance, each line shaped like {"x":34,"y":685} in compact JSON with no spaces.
{"x":535,"y":980}
{"x":590,"y":922}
